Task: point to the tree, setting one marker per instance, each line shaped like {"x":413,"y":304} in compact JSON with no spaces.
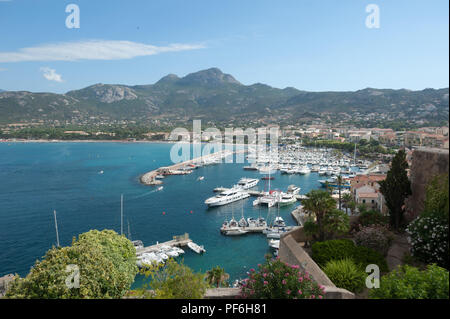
{"x":173,"y":281}
{"x":319,"y":203}
{"x":346,"y":199}
{"x":335,"y":223}
{"x":106,"y":263}
{"x":339,"y":181}
{"x":352,"y":206}
{"x":217,"y":276}
{"x":395,"y":188}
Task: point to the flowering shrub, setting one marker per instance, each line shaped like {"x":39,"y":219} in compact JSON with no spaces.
{"x":428,"y":236}
{"x":375,"y":237}
{"x":278,"y":280}
{"x":345,"y":274}
{"x":410,"y":283}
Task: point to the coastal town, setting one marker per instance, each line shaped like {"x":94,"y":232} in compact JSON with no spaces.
{"x":225,"y":158}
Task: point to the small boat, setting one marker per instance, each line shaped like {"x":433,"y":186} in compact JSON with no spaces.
{"x":198,"y":249}
{"x":201,"y":178}
{"x":160,"y":188}
{"x":138,"y":244}
{"x":101,"y":172}
{"x":286,"y":199}
{"x":292,"y":189}
{"x":275,"y":244}
{"x":235,"y":232}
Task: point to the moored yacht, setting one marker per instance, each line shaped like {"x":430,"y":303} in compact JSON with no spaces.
{"x":286,"y":199}
{"x":247,"y":183}
{"x":229,"y":196}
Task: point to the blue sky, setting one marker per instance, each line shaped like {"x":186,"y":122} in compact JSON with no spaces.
{"x":314,"y":45}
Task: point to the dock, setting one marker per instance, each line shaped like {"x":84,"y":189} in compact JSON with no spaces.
{"x":178,"y":241}
{"x":149,"y":178}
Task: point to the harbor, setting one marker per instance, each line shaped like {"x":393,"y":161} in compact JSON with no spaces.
{"x":153,"y":215}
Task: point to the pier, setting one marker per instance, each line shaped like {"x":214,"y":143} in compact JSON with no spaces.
{"x":178,"y":241}
{"x":149,"y":178}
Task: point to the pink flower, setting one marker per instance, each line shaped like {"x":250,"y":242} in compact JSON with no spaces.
{"x":313,"y":296}
{"x":299,"y":292}
{"x":288,"y":292}
{"x":252,"y":270}
{"x":320,"y":297}
{"x":286,"y":274}
{"x":264,"y":275}
{"x":300,"y":279}
{"x":265,"y":282}
{"x":284,"y":282}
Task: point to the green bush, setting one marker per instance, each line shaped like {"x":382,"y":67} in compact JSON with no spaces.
{"x":106,"y":262}
{"x":323,"y":252}
{"x":278,"y":280}
{"x":346,"y":274}
{"x":372,"y":217}
{"x":172,"y":280}
{"x":410,"y":283}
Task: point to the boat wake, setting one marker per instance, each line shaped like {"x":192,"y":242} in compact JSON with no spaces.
{"x":146,"y":194}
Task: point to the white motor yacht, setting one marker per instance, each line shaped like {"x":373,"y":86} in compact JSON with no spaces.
{"x":286,"y":199}
{"x":247,"y":183}
{"x":229,"y":196}
{"x":303,"y":170}
{"x":292,"y":189}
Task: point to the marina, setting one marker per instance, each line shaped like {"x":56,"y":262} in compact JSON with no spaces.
{"x":92,"y":201}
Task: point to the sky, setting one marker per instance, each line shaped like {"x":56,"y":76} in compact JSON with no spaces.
{"x":313,"y":45}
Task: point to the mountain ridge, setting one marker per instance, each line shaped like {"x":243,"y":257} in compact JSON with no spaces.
{"x":216,"y":96}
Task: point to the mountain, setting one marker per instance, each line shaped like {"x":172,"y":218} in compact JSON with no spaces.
{"x":214,"y":96}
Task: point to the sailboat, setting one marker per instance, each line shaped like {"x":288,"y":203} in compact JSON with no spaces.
{"x":233,"y":228}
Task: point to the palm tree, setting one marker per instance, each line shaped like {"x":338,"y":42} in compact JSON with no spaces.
{"x":217,"y":276}
{"x":339,"y":183}
{"x":346,"y":199}
{"x":352,"y":206}
{"x":319,"y":203}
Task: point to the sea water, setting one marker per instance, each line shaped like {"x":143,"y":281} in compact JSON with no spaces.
{"x":83,"y":182}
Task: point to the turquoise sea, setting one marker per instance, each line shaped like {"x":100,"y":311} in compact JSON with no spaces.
{"x":37,"y":178}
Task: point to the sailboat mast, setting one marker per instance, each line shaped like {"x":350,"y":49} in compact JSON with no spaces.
{"x":56,"y":227}
{"x":121,"y":214}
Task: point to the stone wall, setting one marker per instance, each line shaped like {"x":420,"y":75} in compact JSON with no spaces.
{"x":426,"y":163}
{"x":291,"y":252}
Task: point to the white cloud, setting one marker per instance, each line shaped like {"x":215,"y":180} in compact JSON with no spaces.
{"x":51,"y":75}
{"x":91,"y":50}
